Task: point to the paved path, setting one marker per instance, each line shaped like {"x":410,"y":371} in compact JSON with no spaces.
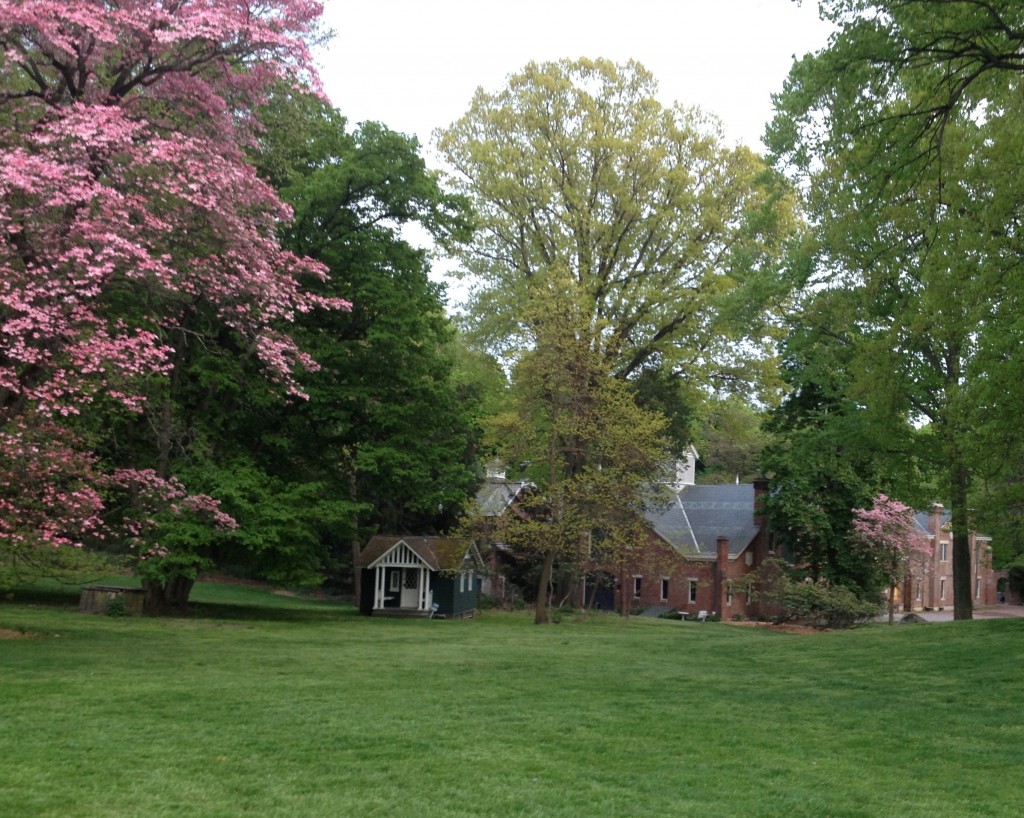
{"x":998,"y":612}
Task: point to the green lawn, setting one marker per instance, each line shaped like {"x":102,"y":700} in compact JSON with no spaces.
{"x":264,"y":705}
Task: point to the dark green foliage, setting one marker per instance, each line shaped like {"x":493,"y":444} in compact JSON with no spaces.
{"x":116,"y":607}
{"x":385,"y":440}
{"x":787,"y":596}
{"x":826,"y":457}
{"x":385,"y":402}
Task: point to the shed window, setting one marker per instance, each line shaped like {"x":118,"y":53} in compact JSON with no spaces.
{"x":469,"y":581}
{"x":462,"y":581}
{"x":396,"y":581}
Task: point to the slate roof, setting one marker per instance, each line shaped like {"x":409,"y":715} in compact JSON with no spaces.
{"x":698,"y":515}
{"x":438,"y":553}
{"x":924,"y":521}
{"x":494,"y":497}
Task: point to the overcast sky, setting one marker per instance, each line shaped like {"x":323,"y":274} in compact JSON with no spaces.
{"x":414,"y":64}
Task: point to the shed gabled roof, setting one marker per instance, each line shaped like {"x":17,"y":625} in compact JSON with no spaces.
{"x":436,"y":553}
{"x":698,"y":515}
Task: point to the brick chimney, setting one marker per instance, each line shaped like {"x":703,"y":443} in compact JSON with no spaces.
{"x":935,"y":520}
{"x":721,"y":573}
{"x":760,"y":492}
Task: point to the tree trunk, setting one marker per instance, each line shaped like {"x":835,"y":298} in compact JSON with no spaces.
{"x":168,"y":597}
{"x":963,"y":607}
{"x":357,"y":571}
{"x":542,"y":616}
{"x":892,"y":602}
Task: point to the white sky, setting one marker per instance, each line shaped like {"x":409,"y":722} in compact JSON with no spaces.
{"x":414,"y":64}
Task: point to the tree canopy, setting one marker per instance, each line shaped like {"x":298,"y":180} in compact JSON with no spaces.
{"x":130,"y":224}
{"x":904,"y":134}
{"x":576,"y":169}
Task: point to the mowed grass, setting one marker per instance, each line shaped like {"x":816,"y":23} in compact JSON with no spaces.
{"x":264,"y":705}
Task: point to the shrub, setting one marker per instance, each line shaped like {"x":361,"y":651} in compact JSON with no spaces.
{"x":788,"y":598}
{"x":117,"y":607}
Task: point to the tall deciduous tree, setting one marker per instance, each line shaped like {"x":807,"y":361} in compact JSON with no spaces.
{"x":129,"y":216}
{"x":905,"y":133}
{"x":388,"y":433}
{"x":662,"y":229}
{"x":828,"y":451}
{"x":595,"y":454}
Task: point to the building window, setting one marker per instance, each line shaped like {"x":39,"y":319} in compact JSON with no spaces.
{"x":943,"y":552}
{"x":920,"y":591}
{"x":942,"y":588}
{"x":728,"y":592}
{"x":693,"y":590}
{"x":664,"y":588}
{"x":638,"y":582}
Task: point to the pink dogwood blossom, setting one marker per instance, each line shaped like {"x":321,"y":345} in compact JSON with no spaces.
{"x":888,"y":529}
{"x":122,"y":169}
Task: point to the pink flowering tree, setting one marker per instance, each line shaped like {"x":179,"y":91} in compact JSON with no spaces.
{"x":127,"y":209}
{"x":164,"y":528}
{"x":890,"y":534}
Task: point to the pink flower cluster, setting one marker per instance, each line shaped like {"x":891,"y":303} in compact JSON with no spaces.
{"x":122,"y":177}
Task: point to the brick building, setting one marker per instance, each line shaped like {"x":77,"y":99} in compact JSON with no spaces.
{"x":700,"y":544}
{"x":707,"y":538}
{"x":930,"y":586}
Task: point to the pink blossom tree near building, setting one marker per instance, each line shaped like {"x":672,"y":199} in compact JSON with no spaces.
{"x":889,"y":531}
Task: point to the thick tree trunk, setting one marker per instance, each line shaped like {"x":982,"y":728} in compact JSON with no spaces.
{"x":892,"y":602}
{"x":542,"y":616}
{"x":963,"y":607}
{"x":164,"y":598}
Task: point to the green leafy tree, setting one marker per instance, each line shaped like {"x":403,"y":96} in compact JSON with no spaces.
{"x":670,"y":238}
{"x":593,"y":451}
{"x":828,"y":452}
{"x":904,"y":133}
{"x":729,"y":439}
{"x":390,"y":428}
{"x":384,"y":437}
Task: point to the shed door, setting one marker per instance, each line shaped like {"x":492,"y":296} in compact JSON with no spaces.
{"x":410,"y":587}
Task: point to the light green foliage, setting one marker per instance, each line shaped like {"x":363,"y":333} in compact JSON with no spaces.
{"x":671,"y":238}
{"x":729,"y":440}
{"x":621,"y":249}
{"x":594,"y":450}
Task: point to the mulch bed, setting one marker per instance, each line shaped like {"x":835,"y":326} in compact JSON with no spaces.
{"x":785,"y":628}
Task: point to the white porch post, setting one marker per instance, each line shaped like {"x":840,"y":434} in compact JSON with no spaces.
{"x":424,"y":582}
{"x":378,"y":593}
